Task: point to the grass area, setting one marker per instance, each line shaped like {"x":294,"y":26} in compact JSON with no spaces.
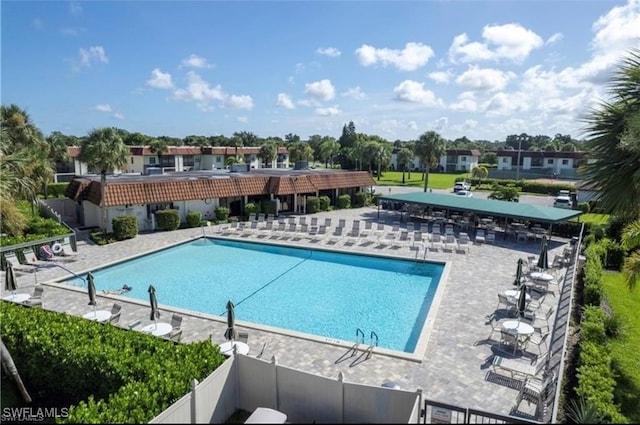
{"x":436,"y":180}
{"x":624,"y":349}
{"x":592,"y":218}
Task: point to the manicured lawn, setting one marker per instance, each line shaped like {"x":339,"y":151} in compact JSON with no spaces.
{"x":436,"y":180}
{"x":624,"y":349}
{"x":592,"y":218}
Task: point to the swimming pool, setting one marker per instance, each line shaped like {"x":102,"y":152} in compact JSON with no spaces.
{"x":317,"y":292}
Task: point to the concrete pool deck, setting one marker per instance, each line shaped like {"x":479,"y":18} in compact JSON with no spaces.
{"x":456,"y":365}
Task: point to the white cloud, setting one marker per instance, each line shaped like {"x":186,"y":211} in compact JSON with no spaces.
{"x":554,"y":38}
{"x":239,"y":102}
{"x":442,"y":77}
{"x":329,"y":51}
{"x":355,"y":93}
{"x":118,"y":116}
{"x":412,"y":125}
{"x":322,"y":90}
{"x":198,"y":90}
{"x":510,"y":41}
{"x":285,"y":101}
{"x":243,"y":119}
{"x":619,"y":29}
{"x":92,"y":54}
{"x":412,"y":57}
{"x":160,"y":80}
{"x":328,"y":112}
{"x":466,"y":102}
{"x":195,"y":61}
{"x":441,"y":123}
{"x":470,"y":124}
{"x":103,"y":108}
{"x":506,"y":104}
{"x":413,"y":91}
{"x":484,"y":79}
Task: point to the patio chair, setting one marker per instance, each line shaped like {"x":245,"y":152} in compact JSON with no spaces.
{"x":314,"y":221}
{"x":519,"y":369}
{"x":279,"y":231}
{"x":509,"y":340}
{"x":537,"y":321}
{"x":30,"y":258}
{"x":302,"y":220}
{"x":115,"y":313}
{"x":417,"y":239}
{"x":480,"y":236}
{"x":464,"y":245}
{"x":436,"y":242}
{"x":353,"y":236}
{"x":17,"y":266}
{"x":320,"y":234}
{"x":367,"y":232}
{"x":490,"y":237}
{"x":539,"y":391}
{"x":538,"y":340}
{"x":448,"y":230}
{"x":336,"y":236}
{"x":36,"y":298}
{"x":496,"y":325}
{"x":327,"y":222}
{"x":505,"y":301}
{"x":401,"y":240}
{"x":389,"y":238}
{"x":342,"y":222}
{"x":243,"y":337}
{"x":176,"y":327}
{"x":67,"y":252}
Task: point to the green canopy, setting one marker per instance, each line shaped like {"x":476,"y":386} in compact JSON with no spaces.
{"x":491,"y":207}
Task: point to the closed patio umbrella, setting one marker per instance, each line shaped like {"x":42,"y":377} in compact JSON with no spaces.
{"x":155,"y":313}
{"x":522,"y":300}
{"x":543,"y":258}
{"x":10,"y":278}
{"x":518,"y":281}
{"x":231,"y":322}
{"x":91,"y":291}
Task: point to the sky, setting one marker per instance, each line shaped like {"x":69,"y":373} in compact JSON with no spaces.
{"x":480,"y":69}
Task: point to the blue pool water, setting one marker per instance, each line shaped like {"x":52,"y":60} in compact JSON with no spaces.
{"x":315,"y":292}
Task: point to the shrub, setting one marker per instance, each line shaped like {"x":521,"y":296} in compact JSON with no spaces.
{"x":124,"y":227}
{"x":362,"y":199}
{"x":344,"y":201}
{"x":592,"y":327}
{"x":99,"y":238}
{"x":615,"y":226}
{"x":313,"y":204}
{"x":168,"y":219}
{"x":615,"y":254}
{"x":613,"y":325}
{"x":325,"y":203}
{"x":222,"y":214}
{"x":598,"y":231}
{"x":269,"y":207}
{"x":108,"y":375}
{"x":57,"y":190}
{"x":251,"y":208}
{"x":584,"y":207}
{"x":194,"y":218}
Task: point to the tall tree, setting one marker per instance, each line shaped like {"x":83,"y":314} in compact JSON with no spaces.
{"x":158,"y":147}
{"x":104,"y":150}
{"x":404,"y":158}
{"x":613,"y":143}
{"x":328,"y":149}
{"x":429,"y":147}
{"x":268,"y":152}
{"x":631,"y":242}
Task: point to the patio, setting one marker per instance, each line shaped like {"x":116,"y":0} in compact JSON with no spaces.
{"x":457,"y":364}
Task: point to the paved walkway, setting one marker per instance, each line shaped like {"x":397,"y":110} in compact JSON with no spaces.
{"x":456,"y":365}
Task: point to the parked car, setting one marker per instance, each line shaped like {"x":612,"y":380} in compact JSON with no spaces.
{"x":563,"y":202}
{"x":465,"y":193}
{"x":461,"y":186}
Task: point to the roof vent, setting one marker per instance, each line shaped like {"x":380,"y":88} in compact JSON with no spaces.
{"x":301,"y":165}
{"x":240,"y":168}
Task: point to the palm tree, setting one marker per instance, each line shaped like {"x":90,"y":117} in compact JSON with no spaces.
{"x":429,"y":147}
{"x":158,"y":147}
{"x":268,"y":152}
{"x":105,"y":151}
{"x":404,"y":159}
{"x":614,"y":146}
{"x":328,"y":149}
{"x":12,"y":370}
{"x":480,"y":172}
{"x":614,"y":143}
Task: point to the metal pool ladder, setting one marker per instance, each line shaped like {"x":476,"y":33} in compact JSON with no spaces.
{"x":354,"y":348}
{"x":371,"y":343}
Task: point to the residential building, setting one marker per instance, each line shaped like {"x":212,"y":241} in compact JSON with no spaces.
{"x":548,"y":162}
{"x":454,"y":160}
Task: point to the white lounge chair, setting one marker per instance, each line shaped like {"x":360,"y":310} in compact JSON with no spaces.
{"x":176,"y":328}
{"x":436,"y":242}
{"x":36,"y":298}
{"x":115,"y":313}
{"x":480,"y":236}
{"x":464,"y":244}
{"x":519,"y":369}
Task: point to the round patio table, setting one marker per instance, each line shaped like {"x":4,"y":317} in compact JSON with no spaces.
{"x":226,"y":348}
{"x":520,"y":328}
{"x":514,"y":294}
{"x":541,"y":276}
{"x":157,"y":329}
{"x":98,"y":316}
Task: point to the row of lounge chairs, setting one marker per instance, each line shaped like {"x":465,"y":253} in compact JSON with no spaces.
{"x":30,"y":260}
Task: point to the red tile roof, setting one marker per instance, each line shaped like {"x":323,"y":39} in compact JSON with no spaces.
{"x":74,"y":151}
{"x":156,"y":189}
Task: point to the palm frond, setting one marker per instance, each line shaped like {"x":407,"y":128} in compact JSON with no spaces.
{"x":631,"y":269}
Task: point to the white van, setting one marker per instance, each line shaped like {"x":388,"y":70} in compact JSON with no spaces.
{"x":563,"y":202}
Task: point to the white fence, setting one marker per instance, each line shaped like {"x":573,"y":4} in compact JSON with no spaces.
{"x":245,"y":383}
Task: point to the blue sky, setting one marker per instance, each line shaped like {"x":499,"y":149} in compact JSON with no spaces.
{"x":481,"y":69}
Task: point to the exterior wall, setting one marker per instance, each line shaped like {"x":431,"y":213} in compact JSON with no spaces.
{"x":504,"y":163}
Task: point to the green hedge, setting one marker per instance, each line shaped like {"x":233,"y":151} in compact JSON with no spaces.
{"x":194,"y":218}
{"x":313,"y":204}
{"x":325,"y":203}
{"x":344,"y":201}
{"x":57,"y":190}
{"x":596,"y":380}
{"x":269,"y":207}
{"x":251,"y":208}
{"x":362,"y":199}
{"x":109,"y":375}
{"x":222,"y":214}
{"x":529,"y":186}
{"x":125,"y":227}
{"x":168,"y":219}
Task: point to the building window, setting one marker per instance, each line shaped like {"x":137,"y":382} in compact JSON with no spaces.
{"x":565,"y":162}
{"x":463,"y":159}
{"x":132,"y":160}
{"x":550,"y":161}
{"x":536,"y":162}
{"x":168,"y":161}
{"x":218,"y":158}
{"x":505,"y":160}
{"x":188,"y":161}
{"x":152,"y":160}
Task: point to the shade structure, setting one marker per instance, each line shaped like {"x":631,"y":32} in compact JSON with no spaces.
{"x":518,"y":280}
{"x":9,"y":278}
{"x":543,"y":258}
{"x":522,"y":300}
{"x":230,"y":333}
{"x":153,"y":302}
